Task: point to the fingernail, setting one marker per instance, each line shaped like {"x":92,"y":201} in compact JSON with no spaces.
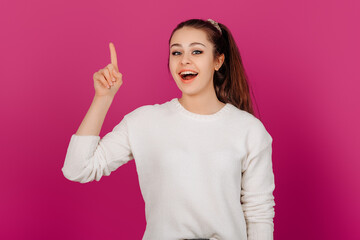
{"x":113,"y":79}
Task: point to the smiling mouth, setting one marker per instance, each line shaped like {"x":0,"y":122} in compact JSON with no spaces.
{"x":188,"y":75}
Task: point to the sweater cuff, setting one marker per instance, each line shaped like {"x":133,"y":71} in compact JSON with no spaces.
{"x":260,"y":231}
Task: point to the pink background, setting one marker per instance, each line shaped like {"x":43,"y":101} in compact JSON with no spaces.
{"x":302,"y":58}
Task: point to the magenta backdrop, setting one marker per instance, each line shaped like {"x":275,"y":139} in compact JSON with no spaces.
{"x":302,"y":59}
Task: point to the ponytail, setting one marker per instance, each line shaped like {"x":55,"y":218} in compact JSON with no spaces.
{"x":230,"y":81}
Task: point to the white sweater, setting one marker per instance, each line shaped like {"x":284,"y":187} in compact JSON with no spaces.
{"x":201,"y":176}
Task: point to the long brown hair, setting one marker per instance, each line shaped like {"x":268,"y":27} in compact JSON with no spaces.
{"x":230,"y":81}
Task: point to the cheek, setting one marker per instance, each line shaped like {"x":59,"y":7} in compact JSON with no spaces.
{"x":172,"y":66}
{"x":207,"y":67}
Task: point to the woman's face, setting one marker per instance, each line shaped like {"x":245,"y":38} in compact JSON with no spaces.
{"x":191,"y":61}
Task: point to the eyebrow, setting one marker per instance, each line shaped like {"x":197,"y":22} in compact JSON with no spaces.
{"x":191,"y":44}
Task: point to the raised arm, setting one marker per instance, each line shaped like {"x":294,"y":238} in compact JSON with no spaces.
{"x":88,"y":157}
{"x":107,"y":82}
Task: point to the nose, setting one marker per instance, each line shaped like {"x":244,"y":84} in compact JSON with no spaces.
{"x":185,"y":59}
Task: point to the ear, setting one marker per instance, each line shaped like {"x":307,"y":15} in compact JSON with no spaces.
{"x":219,"y":62}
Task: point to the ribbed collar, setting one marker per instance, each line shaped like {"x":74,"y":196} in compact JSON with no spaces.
{"x":180,"y":108}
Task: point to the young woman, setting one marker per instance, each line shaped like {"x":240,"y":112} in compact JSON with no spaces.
{"x":203,"y":160}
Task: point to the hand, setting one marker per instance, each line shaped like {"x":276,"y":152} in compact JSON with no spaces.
{"x":108,"y":80}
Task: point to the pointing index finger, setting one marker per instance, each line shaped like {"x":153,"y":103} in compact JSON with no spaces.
{"x":113,"y":55}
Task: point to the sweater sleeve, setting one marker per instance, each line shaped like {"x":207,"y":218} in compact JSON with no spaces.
{"x":89,"y":158}
{"x":258,"y":185}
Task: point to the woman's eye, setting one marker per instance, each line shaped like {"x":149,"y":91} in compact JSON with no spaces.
{"x":195,"y":52}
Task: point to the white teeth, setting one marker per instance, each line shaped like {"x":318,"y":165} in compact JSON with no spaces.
{"x":188,"y":72}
